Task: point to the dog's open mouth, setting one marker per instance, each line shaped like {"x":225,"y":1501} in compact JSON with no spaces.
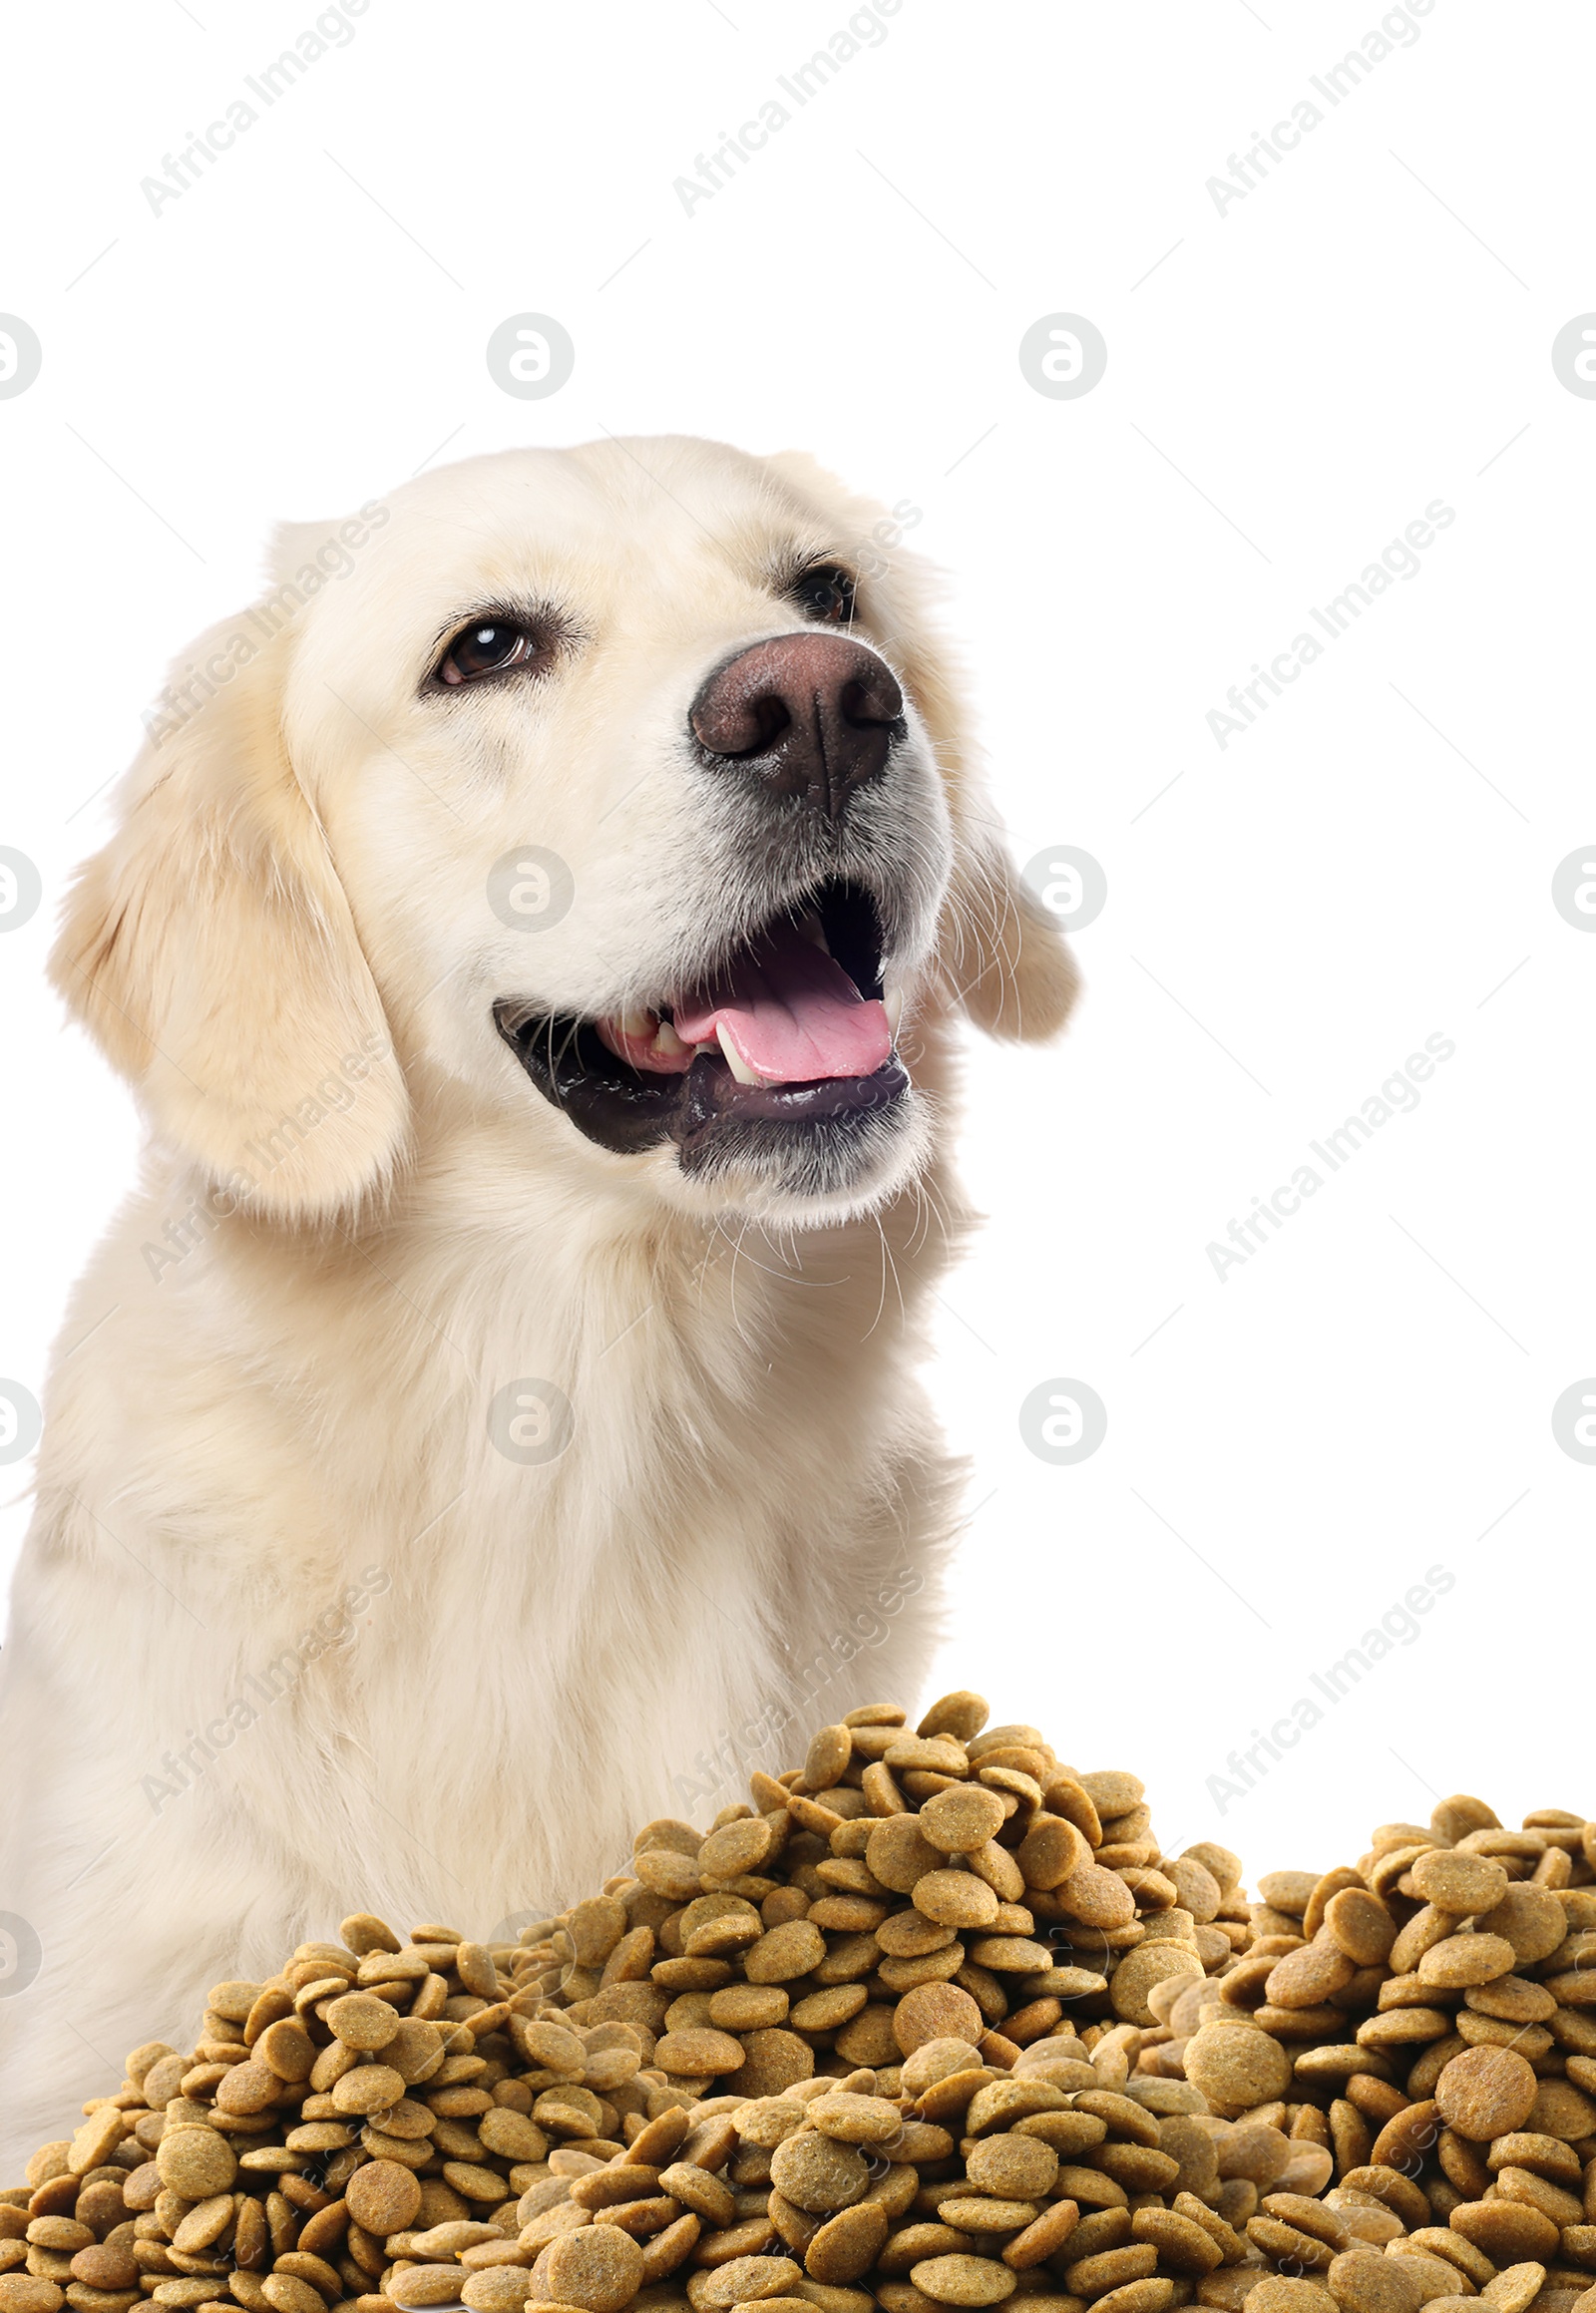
{"x":790,"y":1033}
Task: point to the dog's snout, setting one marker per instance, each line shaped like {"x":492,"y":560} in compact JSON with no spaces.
{"x":811,"y":715}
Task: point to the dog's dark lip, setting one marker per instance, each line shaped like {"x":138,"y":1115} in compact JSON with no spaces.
{"x":627,"y":1110}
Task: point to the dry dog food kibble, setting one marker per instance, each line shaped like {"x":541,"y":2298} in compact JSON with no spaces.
{"x":933,"y":2022}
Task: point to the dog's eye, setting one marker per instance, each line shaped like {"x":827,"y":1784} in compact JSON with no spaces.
{"x":826,"y":594}
{"x":488,"y":647}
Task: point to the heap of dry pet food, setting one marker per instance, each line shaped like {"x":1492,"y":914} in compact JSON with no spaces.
{"x":932,"y":2022}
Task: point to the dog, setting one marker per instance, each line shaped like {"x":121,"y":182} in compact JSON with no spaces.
{"x":537,"y":933}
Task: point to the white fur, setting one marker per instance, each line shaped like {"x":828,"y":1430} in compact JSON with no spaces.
{"x":273,"y":1446}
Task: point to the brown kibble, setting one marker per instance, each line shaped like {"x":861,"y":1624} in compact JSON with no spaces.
{"x":415,"y":2050}
{"x":599,"y":2267}
{"x":1407,"y":2138}
{"x":847,"y":2244}
{"x":424,"y":2285}
{"x":1148,"y":1964}
{"x":248,"y":2088}
{"x":1237,"y":2067}
{"x":1459,"y":1961}
{"x":1362,"y":2284}
{"x":896,"y":1853}
{"x":853,"y":2118}
{"x":1183,"y":2246}
{"x":964,"y":2280}
{"x":737,"y":1849}
{"x":742,"y":2280}
{"x":774,"y":2060}
{"x":508,"y":2132}
{"x":1277,"y":2294}
{"x":383,"y":2196}
{"x":1052,"y":1850}
{"x":956,"y":1899}
{"x":1044,"y":2238}
{"x":1531,"y":1919}
{"x":1509,"y":2231}
{"x":1094,"y":2276}
{"x":1059,"y":2068}
{"x":784,"y":1952}
{"x":957,"y":1820}
{"x":1184,"y":2138}
{"x":699,"y":2054}
{"x":287,"y":2048}
{"x":1013,"y":2167}
{"x":962,"y":1715}
{"x":936,"y":1754}
{"x":829,"y":1750}
{"x":1515,"y":2288}
{"x":936,"y":2012}
{"x":818,"y":2173}
{"x":1287,"y":2243}
{"x":1095,"y":1898}
{"x":24,"y":2293}
{"x":196,"y":2161}
{"x":1459,"y":1883}
{"x":474,"y":2182}
{"x":744,"y":2007}
{"x":104,"y":2268}
{"x":286,"y":2293}
{"x":1148,"y":2296}
{"x":361,"y":2021}
{"x":1562,"y":2109}
{"x":369,"y":2087}
{"x":1307,"y":1978}
{"x":1360,"y":1926}
{"x":1486,"y":2092}
{"x":553,"y":2048}
{"x":1524,"y":2185}
{"x":668,"y":1873}
{"x":496,"y":2289}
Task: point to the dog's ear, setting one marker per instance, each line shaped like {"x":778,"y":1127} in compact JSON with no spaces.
{"x":1001,"y":956}
{"x":1005,"y":958}
{"x":211,"y":949}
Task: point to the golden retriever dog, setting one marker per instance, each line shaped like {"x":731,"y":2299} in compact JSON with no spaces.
{"x":537,"y":933}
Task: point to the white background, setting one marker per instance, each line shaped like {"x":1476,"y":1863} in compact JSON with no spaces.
{"x":1289,"y":384}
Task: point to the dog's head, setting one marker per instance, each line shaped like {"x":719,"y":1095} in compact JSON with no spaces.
{"x":615,"y":796}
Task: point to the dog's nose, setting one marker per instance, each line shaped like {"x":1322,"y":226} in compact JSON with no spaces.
{"x":810,"y":714}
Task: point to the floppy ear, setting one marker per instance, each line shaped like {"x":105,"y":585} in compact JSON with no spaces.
{"x":1001,"y":956}
{"x":210,"y":951}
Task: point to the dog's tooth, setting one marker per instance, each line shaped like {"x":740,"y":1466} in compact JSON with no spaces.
{"x":892,"y":1006}
{"x":668,"y":1043}
{"x":814,"y":930}
{"x":637,"y":1023}
{"x":735,"y":1059}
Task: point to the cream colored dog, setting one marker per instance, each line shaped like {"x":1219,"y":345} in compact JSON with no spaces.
{"x":535,"y":932}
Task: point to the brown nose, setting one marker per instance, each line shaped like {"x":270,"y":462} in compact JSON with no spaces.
{"x":809,"y":714}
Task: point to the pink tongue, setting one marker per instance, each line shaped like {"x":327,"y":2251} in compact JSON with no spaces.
{"x":791,"y":1012}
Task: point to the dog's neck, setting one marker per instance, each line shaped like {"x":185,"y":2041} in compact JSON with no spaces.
{"x":548,"y":1344}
